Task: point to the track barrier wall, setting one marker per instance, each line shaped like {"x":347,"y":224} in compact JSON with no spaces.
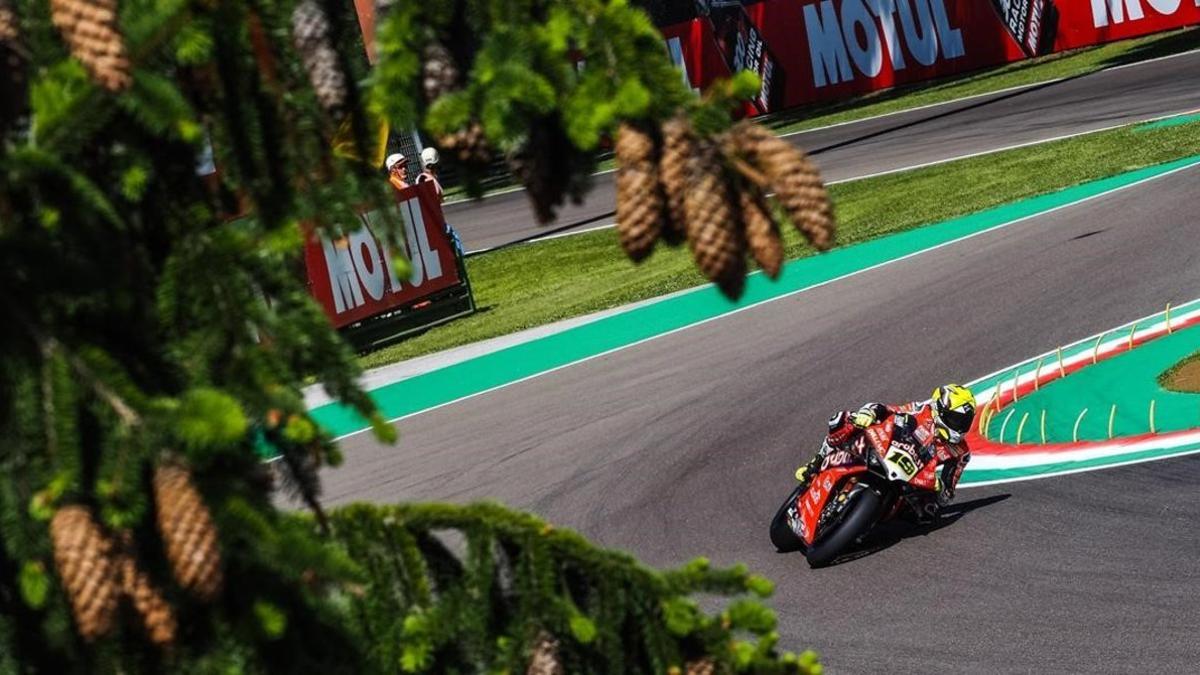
{"x":815,"y":51}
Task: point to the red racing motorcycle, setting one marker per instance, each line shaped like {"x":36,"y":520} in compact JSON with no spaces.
{"x":887,"y":469}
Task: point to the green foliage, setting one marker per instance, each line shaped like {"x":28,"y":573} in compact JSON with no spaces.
{"x":34,"y":584}
{"x":582,"y":66}
{"x":455,"y":582}
{"x":152,"y":315}
{"x":208,"y":417}
{"x":271,"y":619}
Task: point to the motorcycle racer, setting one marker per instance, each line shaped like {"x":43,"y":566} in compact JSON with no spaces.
{"x":939,"y":423}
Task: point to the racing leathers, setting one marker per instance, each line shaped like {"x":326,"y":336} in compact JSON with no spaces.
{"x":916,"y":418}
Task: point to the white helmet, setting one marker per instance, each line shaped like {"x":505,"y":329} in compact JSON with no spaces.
{"x":393,"y":159}
{"x":429,"y":157}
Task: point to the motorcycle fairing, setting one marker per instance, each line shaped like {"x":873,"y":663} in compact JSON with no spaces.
{"x":811,"y":503}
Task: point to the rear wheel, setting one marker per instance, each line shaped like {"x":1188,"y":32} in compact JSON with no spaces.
{"x":859,"y":517}
{"x":782,"y":536}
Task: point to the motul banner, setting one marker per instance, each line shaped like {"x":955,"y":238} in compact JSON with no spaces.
{"x":1091,"y":22}
{"x":353,"y":277}
{"x":808,"y":51}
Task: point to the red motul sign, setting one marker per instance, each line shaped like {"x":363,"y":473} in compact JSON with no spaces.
{"x":353,"y":277}
{"x":826,"y":50}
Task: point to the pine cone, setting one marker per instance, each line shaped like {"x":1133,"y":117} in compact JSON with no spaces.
{"x":544,"y":660}
{"x":550,"y":167}
{"x":158,"y":618}
{"x":762,"y":234}
{"x":468,"y":146}
{"x":678,"y":147}
{"x":440,"y":74}
{"x":89,"y":28}
{"x":704,"y":666}
{"x":83,"y":556}
{"x":639,"y":202}
{"x":13,"y":64}
{"x":310,"y":32}
{"x":796,"y":180}
{"x":188,"y":531}
{"x":712,"y":232}
{"x":10,"y":33}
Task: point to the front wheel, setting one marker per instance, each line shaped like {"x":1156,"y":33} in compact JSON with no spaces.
{"x":782,"y":536}
{"x":859,"y":517}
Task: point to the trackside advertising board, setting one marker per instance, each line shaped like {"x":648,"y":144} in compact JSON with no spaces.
{"x":353,"y":277}
{"x":809,"y":51}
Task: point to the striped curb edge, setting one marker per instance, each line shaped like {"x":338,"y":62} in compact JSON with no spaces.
{"x":993,"y":462}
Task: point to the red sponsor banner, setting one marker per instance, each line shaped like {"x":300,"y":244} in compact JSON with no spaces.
{"x":1091,"y":22}
{"x":353,"y":277}
{"x":825,"y":50}
{"x":693,"y":48}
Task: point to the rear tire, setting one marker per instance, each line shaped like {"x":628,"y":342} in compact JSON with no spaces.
{"x":782,"y":536}
{"x":860,"y":516}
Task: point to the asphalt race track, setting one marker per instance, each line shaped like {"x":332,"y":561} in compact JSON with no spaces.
{"x":1096,"y":101}
{"x":685,"y":445}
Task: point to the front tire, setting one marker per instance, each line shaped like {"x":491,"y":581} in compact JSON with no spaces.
{"x":859,"y":518}
{"x":782,"y":536}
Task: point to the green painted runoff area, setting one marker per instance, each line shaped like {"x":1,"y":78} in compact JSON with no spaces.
{"x":1176,"y":121}
{"x":1128,"y":381}
{"x":528,"y":359}
{"x":974,"y":475}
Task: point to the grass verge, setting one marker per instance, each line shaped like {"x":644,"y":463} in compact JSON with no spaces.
{"x":535,"y":284}
{"x":1183,"y":376}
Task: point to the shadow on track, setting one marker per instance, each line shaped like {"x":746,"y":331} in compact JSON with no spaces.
{"x":893,"y":532}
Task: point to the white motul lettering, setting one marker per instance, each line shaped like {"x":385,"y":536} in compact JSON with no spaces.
{"x":886,"y":11}
{"x":1164,"y":6}
{"x":414,"y":226}
{"x":343,"y":282}
{"x":1104,"y":10}
{"x":1035,"y":26}
{"x":364,"y":251}
{"x":857,"y":24}
{"x":675,"y":49}
{"x":949,"y":36}
{"x":830,"y":63}
{"x":388,"y":254}
{"x":918,"y":31}
{"x":410,"y":246}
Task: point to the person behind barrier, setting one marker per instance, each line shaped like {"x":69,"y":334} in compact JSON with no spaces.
{"x":397,"y":169}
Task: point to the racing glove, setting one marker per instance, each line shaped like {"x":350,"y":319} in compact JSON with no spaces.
{"x":863,"y":418}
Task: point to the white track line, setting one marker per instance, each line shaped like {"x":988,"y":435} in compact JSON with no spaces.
{"x":1153,"y":60}
{"x":986,"y":93}
{"x":912,"y":167}
{"x":789,"y":294}
{"x":927,"y":106}
{"x":1015,"y":146}
{"x":1065,"y":472}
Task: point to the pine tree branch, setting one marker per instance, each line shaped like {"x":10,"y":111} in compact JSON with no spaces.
{"x":48,"y":411}
{"x":50,"y":345}
{"x":86,"y":101}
